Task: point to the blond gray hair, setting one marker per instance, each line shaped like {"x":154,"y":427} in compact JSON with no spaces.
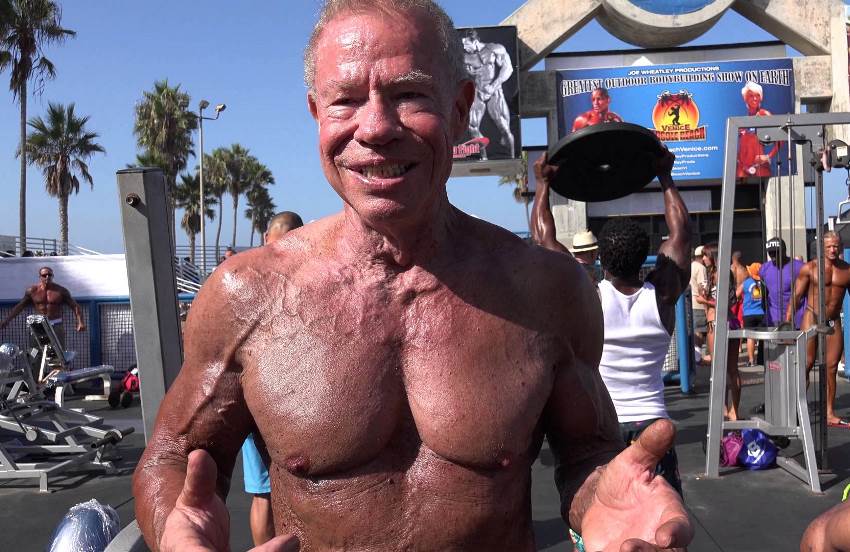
{"x":449,"y":40}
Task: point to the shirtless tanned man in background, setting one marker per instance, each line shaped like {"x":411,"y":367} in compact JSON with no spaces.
{"x":48,"y":297}
{"x":401,"y":360}
{"x":600,"y":100}
{"x":836,"y":281}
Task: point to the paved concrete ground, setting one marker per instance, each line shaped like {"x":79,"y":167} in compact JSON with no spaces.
{"x":741,"y":511}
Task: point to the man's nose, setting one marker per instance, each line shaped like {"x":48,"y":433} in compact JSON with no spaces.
{"x":378,"y":123}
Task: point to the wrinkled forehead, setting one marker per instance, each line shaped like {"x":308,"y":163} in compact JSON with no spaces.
{"x":352,"y":45}
{"x":834,"y":240}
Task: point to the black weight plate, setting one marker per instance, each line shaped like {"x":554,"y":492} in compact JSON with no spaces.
{"x":605,"y":161}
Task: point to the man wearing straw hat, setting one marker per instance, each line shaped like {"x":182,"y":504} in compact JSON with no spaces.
{"x":586,"y":250}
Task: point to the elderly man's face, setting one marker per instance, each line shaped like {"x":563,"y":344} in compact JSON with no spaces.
{"x":387,"y":115}
{"x":752,"y":99}
{"x":831,"y":248}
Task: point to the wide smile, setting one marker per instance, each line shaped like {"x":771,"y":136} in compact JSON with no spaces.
{"x":381,"y":175}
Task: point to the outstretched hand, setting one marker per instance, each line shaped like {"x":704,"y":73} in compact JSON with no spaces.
{"x":200,"y":521}
{"x":633,"y":510}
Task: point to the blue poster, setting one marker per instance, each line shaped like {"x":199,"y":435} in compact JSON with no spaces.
{"x":686,"y":105}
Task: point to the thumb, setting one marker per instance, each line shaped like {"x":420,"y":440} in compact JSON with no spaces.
{"x":199,"y":486}
{"x":652,"y":444}
{"x":283,"y":543}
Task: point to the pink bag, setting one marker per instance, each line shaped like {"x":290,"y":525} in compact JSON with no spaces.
{"x":730,"y":445}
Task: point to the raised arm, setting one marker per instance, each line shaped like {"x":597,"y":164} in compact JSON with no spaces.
{"x":801,"y":288}
{"x":78,"y":312}
{"x":17,"y":309}
{"x":672,"y":271}
{"x":203,"y":409}
{"x":542,"y":222}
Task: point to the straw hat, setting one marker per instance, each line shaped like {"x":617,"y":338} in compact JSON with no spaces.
{"x":698,"y":251}
{"x":584,"y":241}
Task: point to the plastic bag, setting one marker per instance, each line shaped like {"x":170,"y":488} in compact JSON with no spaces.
{"x":87,"y":527}
{"x":758,"y":452}
{"x":730,"y":446}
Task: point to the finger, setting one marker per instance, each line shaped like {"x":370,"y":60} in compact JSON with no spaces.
{"x":675,"y":533}
{"x":637,"y":545}
{"x":200,"y":483}
{"x":283,"y":543}
{"x":652,"y":444}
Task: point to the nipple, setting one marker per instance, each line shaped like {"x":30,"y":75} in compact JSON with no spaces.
{"x":297,"y":465}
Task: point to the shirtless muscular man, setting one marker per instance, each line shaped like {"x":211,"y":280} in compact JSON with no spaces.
{"x":399,"y":362}
{"x":836,"y":274}
{"x":48,"y":297}
{"x":489,"y":66}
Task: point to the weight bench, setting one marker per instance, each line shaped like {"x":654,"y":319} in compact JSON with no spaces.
{"x":51,"y":361}
{"x":47,"y":438}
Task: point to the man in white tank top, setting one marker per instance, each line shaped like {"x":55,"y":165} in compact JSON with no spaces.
{"x":639,"y":315}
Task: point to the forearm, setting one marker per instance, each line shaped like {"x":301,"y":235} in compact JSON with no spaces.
{"x":156,"y":488}
{"x":544,"y":222}
{"x":678,"y":244}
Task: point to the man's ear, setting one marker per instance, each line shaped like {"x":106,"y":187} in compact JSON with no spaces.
{"x":311,"y":105}
{"x":460,"y":108}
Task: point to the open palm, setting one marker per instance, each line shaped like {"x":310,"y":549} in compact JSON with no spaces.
{"x":633,"y":510}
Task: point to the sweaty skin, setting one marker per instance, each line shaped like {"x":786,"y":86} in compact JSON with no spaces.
{"x":394,"y":359}
{"x":836,"y":282}
{"x":47,"y":298}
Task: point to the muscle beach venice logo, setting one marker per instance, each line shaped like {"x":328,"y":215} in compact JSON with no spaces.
{"x":676,"y":117}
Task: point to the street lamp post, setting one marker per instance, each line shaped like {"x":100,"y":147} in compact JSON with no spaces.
{"x":203,"y":104}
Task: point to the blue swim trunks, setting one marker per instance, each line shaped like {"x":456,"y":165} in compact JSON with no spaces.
{"x":254,"y":470}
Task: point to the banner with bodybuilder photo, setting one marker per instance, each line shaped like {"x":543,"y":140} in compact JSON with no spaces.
{"x":686,"y":105}
{"x":491,"y":60}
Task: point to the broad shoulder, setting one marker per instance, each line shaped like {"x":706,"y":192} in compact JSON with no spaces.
{"x":552,"y":286}
{"x":244,"y":287}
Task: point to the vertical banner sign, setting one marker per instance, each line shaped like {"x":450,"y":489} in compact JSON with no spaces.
{"x":686,"y":105}
{"x":491,"y":60}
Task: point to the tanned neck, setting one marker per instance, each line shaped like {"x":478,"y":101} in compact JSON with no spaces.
{"x":398,"y":245}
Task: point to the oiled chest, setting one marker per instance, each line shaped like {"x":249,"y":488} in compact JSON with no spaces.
{"x":330,"y":390}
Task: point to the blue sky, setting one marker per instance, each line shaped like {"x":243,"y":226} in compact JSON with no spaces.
{"x":248,"y":55}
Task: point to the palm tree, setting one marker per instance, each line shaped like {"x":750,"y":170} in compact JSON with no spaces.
{"x":261,"y":209}
{"x":61,"y":145}
{"x":257,"y":179}
{"x":237,"y":159}
{"x":147,"y":159}
{"x":163,"y":129}
{"x":187,"y":196}
{"x":26,"y":27}
{"x":215,"y":180}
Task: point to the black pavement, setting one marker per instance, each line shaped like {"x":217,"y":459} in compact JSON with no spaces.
{"x":740,"y":511}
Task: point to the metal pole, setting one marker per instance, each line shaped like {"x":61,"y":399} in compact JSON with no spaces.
{"x":792,"y":228}
{"x":203,"y":206}
{"x":686,"y":352}
{"x":821,"y":335}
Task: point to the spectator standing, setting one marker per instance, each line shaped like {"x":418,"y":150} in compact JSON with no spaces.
{"x":754,"y":295}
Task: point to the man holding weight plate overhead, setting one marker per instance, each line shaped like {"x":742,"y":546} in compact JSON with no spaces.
{"x":639,"y":314}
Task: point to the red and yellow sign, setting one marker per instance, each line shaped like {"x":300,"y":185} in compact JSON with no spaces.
{"x":676,"y":117}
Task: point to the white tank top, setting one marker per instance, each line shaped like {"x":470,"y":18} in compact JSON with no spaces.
{"x":636,"y":343}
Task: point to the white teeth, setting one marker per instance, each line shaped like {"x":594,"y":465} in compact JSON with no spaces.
{"x":384,"y":171}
